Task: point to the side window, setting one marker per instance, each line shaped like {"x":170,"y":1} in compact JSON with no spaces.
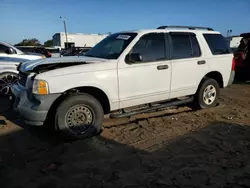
{"x":3,"y":48}
{"x":195,"y":46}
{"x":217,"y":44}
{"x":151,"y":47}
{"x":181,"y":46}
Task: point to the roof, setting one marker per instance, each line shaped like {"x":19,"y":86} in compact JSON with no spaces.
{"x":169,"y":30}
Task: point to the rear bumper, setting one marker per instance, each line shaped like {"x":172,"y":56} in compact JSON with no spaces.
{"x":231,"y":79}
{"x":32,"y":108}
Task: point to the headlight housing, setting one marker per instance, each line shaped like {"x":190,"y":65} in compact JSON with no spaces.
{"x":40,"y":87}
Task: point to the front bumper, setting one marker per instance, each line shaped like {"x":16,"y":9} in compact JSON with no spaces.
{"x":32,"y":108}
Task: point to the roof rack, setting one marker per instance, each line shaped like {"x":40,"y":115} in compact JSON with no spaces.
{"x":187,"y":27}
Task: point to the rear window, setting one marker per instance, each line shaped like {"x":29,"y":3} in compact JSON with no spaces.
{"x":217,"y":44}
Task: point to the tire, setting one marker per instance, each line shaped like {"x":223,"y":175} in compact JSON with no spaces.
{"x":207,"y":94}
{"x":6,"y":81}
{"x":79,"y":116}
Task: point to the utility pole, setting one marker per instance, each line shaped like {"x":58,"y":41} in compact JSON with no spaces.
{"x":65,"y":29}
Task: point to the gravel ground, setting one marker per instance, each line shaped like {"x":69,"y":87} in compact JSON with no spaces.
{"x":171,"y":148}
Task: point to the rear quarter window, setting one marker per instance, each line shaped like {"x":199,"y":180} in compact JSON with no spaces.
{"x":217,"y":44}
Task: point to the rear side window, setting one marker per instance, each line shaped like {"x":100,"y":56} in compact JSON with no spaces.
{"x":217,"y":44}
{"x":195,"y":46}
{"x":184,"y":46}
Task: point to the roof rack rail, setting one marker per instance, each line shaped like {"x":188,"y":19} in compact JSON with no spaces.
{"x":187,"y":27}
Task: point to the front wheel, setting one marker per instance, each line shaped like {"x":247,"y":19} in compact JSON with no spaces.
{"x":79,"y":116}
{"x":208,"y":94}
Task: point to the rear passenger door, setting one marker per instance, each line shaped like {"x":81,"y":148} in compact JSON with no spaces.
{"x":188,"y":64}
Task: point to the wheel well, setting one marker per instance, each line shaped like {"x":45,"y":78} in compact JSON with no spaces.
{"x":216,"y":76}
{"x":8,"y":72}
{"x":95,"y":92}
{"x":99,"y":95}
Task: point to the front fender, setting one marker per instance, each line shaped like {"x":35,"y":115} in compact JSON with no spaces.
{"x":8,"y":70}
{"x":105,"y":80}
{"x":112,"y":94}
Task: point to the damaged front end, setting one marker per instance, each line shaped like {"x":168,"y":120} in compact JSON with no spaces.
{"x":41,"y":68}
{"x":47,"y":67}
{"x":27,"y":74}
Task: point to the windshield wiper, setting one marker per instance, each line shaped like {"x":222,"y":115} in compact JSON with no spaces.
{"x":88,"y":55}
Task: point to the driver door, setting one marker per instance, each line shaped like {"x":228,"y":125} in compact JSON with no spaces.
{"x":148,"y":80}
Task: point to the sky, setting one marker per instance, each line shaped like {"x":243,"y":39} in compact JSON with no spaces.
{"x":20,"y":19}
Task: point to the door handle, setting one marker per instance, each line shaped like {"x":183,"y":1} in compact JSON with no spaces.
{"x":201,"y":62}
{"x":162,"y":67}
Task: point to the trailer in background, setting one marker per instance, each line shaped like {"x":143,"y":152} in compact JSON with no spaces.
{"x":77,"y":40}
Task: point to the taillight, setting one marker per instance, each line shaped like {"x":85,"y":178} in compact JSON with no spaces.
{"x":233,"y":64}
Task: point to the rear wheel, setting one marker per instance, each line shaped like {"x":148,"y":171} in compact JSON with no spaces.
{"x":7,"y":80}
{"x":79,"y":116}
{"x":208,"y":94}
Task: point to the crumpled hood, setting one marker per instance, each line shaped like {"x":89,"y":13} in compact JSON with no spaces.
{"x":30,"y":65}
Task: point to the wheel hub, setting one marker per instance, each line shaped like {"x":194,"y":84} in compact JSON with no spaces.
{"x":6,"y":82}
{"x":78,"y":118}
{"x":209,"y":94}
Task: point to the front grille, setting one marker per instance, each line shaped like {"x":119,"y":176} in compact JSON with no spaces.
{"x":22,"y":78}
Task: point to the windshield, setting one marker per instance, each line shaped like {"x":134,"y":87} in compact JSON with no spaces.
{"x":112,"y":46}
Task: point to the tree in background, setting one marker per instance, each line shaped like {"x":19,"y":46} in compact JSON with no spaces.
{"x":48,"y":43}
{"x":29,"y":42}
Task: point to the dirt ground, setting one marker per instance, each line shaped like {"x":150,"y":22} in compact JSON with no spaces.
{"x":175,"y":148}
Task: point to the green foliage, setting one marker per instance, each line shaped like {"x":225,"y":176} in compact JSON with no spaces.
{"x":48,"y":43}
{"x":29,"y":42}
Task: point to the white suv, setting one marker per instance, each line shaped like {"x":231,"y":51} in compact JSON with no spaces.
{"x":152,"y":69}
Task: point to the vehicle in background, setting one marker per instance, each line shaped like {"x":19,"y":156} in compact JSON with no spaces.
{"x":10,"y":57}
{"x":55,"y":51}
{"x":233,"y":42}
{"x":7,"y":50}
{"x":34,"y":49}
{"x":242,"y":58}
{"x":126,"y":74}
{"x":8,"y":73}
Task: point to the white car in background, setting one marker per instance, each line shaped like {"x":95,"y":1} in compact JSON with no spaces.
{"x":10,"y":57}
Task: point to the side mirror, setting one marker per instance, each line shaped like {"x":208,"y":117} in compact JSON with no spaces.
{"x":134,"y":57}
{"x":10,"y":51}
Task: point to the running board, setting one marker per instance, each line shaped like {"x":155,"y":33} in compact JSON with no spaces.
{"x":151,"y":108}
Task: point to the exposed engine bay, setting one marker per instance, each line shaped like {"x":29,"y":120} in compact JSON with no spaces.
{"x":47,"y":67}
